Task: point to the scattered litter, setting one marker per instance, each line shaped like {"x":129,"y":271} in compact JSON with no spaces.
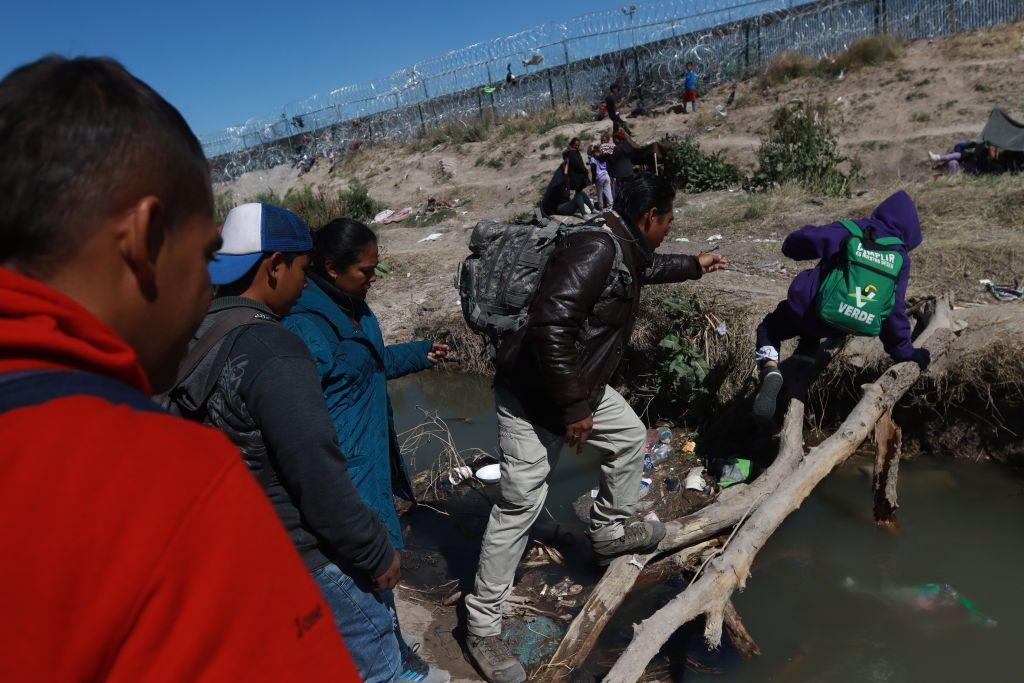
{"x":432,"y":236}
{"x":382,"y":269}
{"x":672,"y":484}
{"x":489,"y":473}
{"x":645,"y":486}
{"x":665,"y":435}
{"x":594,"y":492}
{"x":1001,"y":292}
{"x":534,"y":59}
{"x":842,"y":73}
{"x":720,"y":110}
{"x":651,"y":516}
{"x":734,"y":471}
{"x":721,"y":329}
{"x":534,"y":641}
{"x":394,"y":216}
{"x":839,"y":99}
{"x":383,"y":215}
{"x":714,"y":238}
{"x":682,"y":239}
{"x":695,"y":479}
{"x":689,"y":447}
{"x":457,"y":475}
{"x":489,"y":89}
{"x":763,"y":240}
{"x":942,"y":600}
{"x":660,"y":452}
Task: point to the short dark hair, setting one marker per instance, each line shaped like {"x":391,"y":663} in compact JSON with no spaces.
{"x":573,"y":141}
{"x":613,"y":86}
{"x":689,"y":64}
{"x":644,"y":192}
{"x":81,"y":139}
{"x":340,"y":242}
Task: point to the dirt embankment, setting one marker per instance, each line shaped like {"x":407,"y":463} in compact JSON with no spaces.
{"x":938,"y":93}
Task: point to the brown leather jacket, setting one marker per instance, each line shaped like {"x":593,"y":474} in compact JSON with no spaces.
{"x":559,"y":363}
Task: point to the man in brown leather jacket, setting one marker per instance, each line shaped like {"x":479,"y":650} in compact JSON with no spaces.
{"x":551,"y":389}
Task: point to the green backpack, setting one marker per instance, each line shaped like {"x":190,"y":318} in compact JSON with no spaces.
{"x":858,"y":294}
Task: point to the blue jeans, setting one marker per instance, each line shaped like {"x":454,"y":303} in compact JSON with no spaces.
{"x":368,"y":623}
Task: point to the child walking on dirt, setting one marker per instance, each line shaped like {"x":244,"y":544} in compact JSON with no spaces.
{"x":599,"y":168}
{"x":858,"y":287}
{"x":690,"y":88}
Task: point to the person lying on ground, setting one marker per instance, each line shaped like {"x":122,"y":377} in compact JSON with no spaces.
{"x":139,"y":546}
{"x":611,"y":106}
{"x":551,"y":391}
{"x":247,"y":375}
{"x":690,"y":88}
{"x":354,"y":365}
{"x":558,"y":200}
{"x":858,"y":287}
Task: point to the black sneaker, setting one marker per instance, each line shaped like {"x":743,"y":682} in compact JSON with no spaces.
{"x":639,"y":537}
{"x":768,"y":394}
{"x":494,"y":660}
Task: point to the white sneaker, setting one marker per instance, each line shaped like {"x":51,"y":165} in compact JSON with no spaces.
{"x":934,"y":156}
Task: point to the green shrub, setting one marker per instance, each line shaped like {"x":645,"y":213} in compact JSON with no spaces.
{"x":358,"y":203}
{"x":680,"y":369}
{"x":866,"y":51}
{"x":786,"y":66}
{"x":691,"y":170}
{"x":801,"y":147}
{"x":921,"y":117}
{"x":560,"y":141}
{"x":222,"y":203}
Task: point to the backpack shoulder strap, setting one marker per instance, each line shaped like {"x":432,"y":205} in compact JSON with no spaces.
{"x":226,"y":322}
{"x":35,"y":387}
{"x":889,"y":242}
{"x":852,"y":228}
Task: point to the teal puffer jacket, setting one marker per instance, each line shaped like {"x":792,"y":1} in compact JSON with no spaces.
{"x":354,"y":366}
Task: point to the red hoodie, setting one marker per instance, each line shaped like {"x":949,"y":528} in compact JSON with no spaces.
{"x":138,"y":546}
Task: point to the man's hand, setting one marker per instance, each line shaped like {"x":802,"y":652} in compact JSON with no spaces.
{"x":710,"y":261}
{"x":389,"y":579}
{"x":437,"y":353}
{"x":577,"y":433}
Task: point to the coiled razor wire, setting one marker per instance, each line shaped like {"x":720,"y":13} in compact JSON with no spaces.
{"x":643,"y":47}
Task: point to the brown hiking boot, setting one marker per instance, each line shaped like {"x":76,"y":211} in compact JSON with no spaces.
{"x":494,"y":660}
{"x":639,"y":537}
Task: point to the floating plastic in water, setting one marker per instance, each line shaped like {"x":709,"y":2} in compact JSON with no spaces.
{"x":489,"y":473}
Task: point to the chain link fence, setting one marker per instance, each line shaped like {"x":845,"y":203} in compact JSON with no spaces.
{"x":643,"y":47}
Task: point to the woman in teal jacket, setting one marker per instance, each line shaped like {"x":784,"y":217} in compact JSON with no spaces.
{"x":354,"y":364}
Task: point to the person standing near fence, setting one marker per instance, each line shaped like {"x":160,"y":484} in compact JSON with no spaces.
{"x":690,"y":88}
{"x":611,"y":106}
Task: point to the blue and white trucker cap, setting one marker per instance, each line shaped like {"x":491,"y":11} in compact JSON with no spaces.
{"x":252,"y":230}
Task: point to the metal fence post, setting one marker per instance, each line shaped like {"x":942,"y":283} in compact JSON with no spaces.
{"x":565,"y":72}
{"x":551,"y":89}
{"x":423,"y":125}
{"x":746,"y":47}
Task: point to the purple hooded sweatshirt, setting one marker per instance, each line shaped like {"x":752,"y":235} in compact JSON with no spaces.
{"x":894,"y":217}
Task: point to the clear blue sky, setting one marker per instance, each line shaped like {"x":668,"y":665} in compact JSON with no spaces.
{"x":223,"y":62}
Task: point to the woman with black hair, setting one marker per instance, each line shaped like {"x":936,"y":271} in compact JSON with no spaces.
{"x":354,"y":364}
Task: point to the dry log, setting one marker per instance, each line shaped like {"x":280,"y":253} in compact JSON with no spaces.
{"x":712,"y":591}
{"x":738,"y":634}
{"x":725,"y":512}
{"x":888,"y":444}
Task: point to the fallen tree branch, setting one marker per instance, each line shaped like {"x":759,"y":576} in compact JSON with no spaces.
{"x":725,"y":512}
{"x":738,"y":634}
{"x":712,"y":592}
{"x":888,"y":445}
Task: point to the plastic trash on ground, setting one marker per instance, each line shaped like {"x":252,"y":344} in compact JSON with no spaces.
{"x":432,"y":236}
{"x":533,"y":641}
{"x":695,"y":480}
{"x":734,"y":471}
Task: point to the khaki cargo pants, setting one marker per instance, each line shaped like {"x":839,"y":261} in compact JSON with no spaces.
{"x":528,"y":456}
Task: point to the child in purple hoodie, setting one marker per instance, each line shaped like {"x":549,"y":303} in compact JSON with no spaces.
{"x":797,"y":315}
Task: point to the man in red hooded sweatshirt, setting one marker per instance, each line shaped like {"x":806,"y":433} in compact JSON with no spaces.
{"x":138,"y":547}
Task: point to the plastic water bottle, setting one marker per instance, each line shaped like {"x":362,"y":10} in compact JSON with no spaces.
{"x":665,"y":435}
{"x":660,"y":452}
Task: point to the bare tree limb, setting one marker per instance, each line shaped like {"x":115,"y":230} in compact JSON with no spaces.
{"x":888,"y":444}
{"x":710,"y":593}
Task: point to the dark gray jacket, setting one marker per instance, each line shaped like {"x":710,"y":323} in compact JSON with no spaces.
{"x":267,"y":398}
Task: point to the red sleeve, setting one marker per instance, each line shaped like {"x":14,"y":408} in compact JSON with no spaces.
{"x":230,"y":600}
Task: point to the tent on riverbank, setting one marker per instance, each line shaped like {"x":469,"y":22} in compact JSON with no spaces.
{"x":1003,"y":131}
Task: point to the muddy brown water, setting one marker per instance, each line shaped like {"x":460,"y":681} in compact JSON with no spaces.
{"x":831,"y":597}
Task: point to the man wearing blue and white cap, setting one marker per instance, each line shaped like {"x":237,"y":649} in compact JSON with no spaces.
{"x":248,"y":376}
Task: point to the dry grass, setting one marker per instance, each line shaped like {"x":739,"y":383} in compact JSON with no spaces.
{"x":990,"y":43}
{"x":866,"y":51}
{"x":787,"y":66}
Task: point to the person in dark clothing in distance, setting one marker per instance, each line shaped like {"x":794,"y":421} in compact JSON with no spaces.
{"x":579,"y":177}
{"x":611,"y":106}
{"x":559,"y":200}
